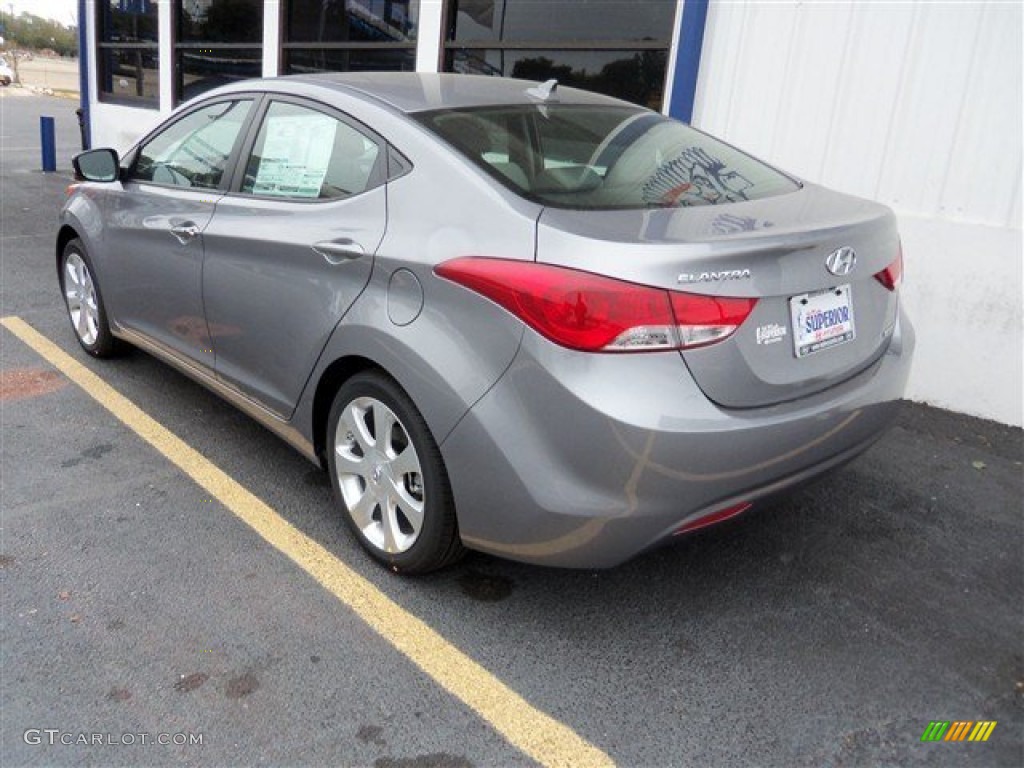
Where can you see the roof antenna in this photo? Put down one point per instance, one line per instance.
(545, 91)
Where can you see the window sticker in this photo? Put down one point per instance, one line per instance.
(296, 154)
(695, 174)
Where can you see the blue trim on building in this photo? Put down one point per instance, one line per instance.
(691, 40)
(83, 73)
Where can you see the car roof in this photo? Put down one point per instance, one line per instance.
(424, 91)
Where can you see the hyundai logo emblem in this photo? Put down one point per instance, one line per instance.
(841, 262)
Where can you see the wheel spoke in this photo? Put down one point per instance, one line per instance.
(362, 511)
(82, 324)
(354, 419)
(392, 533)
(412, 508)
(405, 462)
(350, 464)
(71, 275)
(383, 426)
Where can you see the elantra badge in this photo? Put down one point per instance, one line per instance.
(841, 262)
(705, 277)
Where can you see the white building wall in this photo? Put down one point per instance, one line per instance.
(917, 105)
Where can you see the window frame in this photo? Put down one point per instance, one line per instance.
(230, 165)
(378, 176)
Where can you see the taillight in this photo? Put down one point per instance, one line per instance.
(706, 319)
(593, 313)
(891, 276)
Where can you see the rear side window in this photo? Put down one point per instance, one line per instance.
(193, 151)
(304, 154)
(604, 157)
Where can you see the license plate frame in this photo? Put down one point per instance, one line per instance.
(822, 320)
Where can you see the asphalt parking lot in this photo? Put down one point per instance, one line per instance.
(826, 630)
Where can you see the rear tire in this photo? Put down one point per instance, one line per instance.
(389, 478)
(84, 302)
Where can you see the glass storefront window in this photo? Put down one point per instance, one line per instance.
(128, 52)
(340, 21)
(349, 35)
(127, 22)
(303, 61)
(220, 21)
(200, 70)
(636, 76)
(218, 42)
(566, 21)
(616, 47)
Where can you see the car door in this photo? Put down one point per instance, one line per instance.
(292, 247)
(154, 237)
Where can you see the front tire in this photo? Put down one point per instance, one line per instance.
(84, 302)
(389, 478)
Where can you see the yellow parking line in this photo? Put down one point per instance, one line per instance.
(540, 736)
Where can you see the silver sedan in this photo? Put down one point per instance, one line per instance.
(519, 318)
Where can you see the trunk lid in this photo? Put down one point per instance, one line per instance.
(775, 250)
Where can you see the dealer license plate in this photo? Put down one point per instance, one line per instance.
(821, 320)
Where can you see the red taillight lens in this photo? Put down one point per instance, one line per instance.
(891, 276)
(707, 319)
(592, 313)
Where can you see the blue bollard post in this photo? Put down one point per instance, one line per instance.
(49, 142)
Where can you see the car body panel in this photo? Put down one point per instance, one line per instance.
(554, 456)
(613, 453)
(772, 249)
(153, 279)
(259, 268)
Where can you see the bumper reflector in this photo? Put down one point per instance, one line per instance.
(715, 517)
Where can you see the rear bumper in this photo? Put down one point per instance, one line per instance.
(584, 461)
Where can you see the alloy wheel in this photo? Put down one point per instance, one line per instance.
(379, 475)
(80, 292)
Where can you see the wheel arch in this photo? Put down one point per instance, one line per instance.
(66, 234)
(331, 380)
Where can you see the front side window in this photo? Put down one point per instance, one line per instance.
(604, 157)
(304, 154)
(193, 151)
(128, 52)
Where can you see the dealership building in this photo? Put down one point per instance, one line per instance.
(917, 105)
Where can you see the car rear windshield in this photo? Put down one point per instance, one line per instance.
(600, 157)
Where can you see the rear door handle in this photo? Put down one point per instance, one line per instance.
(339, 251)
(185, 231)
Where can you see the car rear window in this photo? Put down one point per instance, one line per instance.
(599, 157)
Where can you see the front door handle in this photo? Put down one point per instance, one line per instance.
(339, 251)
(185, 232)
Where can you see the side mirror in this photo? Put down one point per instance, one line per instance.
(97, 165)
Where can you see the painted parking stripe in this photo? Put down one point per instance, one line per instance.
(525, 727)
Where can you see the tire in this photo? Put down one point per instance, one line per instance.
(84, 302)
(389, 478)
